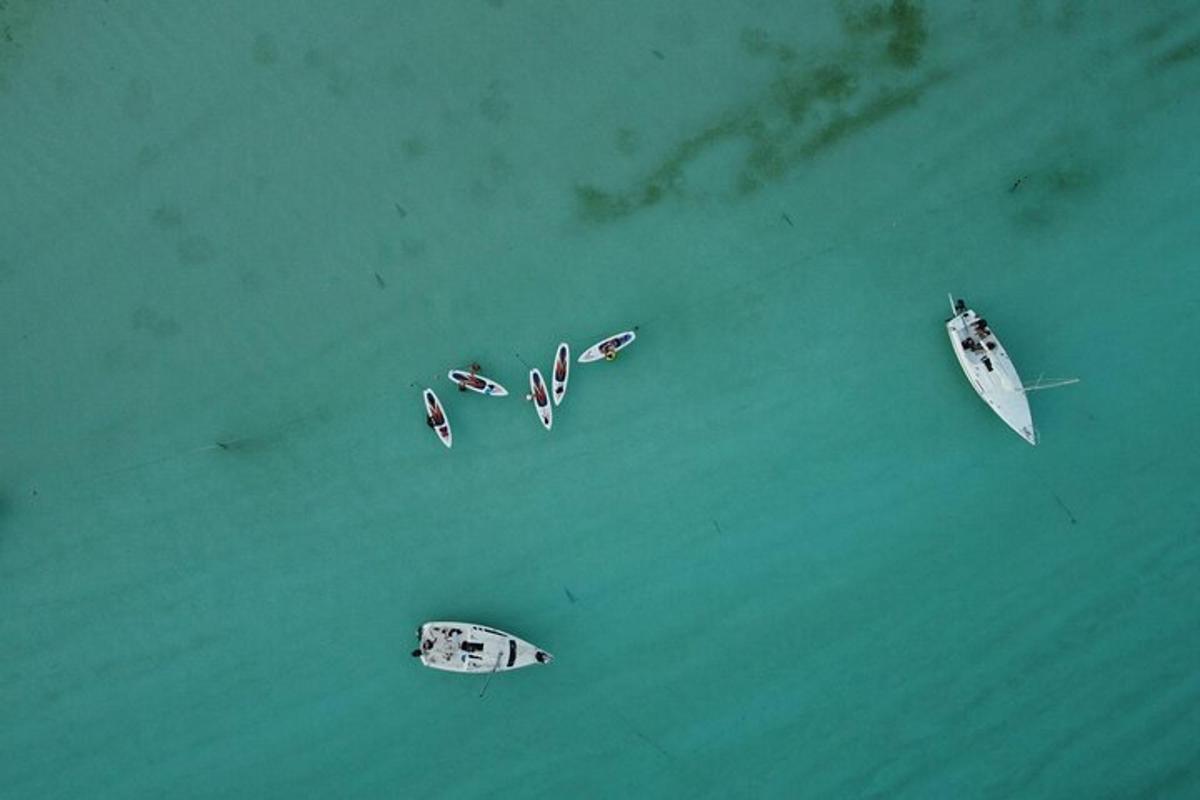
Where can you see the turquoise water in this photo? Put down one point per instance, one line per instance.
(779, 548)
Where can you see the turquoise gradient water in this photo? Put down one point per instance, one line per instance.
(779, 548)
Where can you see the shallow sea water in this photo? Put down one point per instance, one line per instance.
(779, 547)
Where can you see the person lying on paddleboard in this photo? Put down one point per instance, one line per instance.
(540, 397)
(474, 381)
(435, 417)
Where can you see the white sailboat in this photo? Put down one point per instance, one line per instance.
(467, 647)
(990, 370)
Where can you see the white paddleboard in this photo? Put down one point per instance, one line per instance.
(561, 372)
(476, 383)
(541, 398)
(608, 347)
(435, 411)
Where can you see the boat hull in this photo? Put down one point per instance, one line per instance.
(991, 372)
(471, 648)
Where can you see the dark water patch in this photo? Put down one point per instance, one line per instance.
(497, 174)
(64, 87)
(240, 444)
(247, 444)
(1152, 32)
(17, 18)
(148, 155)
(800, 113)
(758, 43)
(626, 141)
(264, 51)
(150, 321)
(195, 250)
(138, 100)
(755, 41)
(413, 147)
(884, 105)
(379, 281)
(167, 217)
(385, 252)
(833, 82)
(313, 58)
(1069, 16)
(250, 281)
(1189, 50)
(494, 106)
(413, 248)
(252, 443)
(338, 83)
(902, 22)
(115, 358)
(1066, 510)
(1071, 178)
(1178, 780)
(1049, 192)
(1029, 14)
(1033, 216)
(597, 205)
